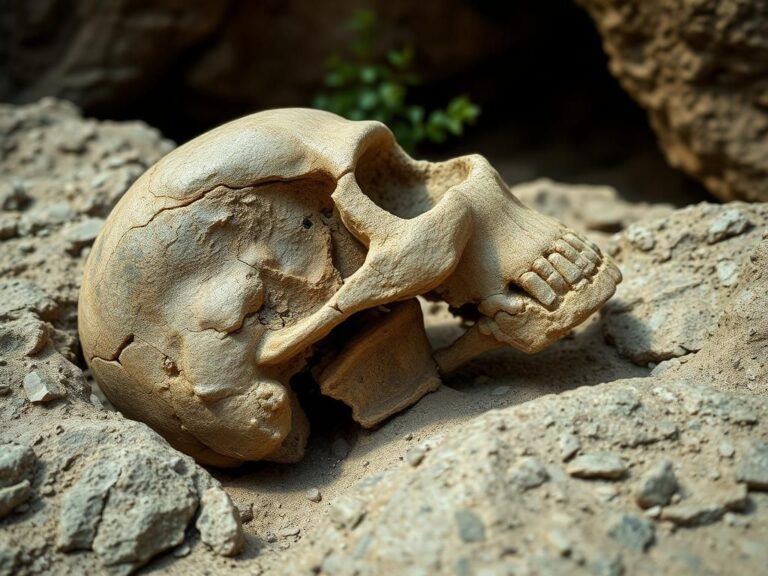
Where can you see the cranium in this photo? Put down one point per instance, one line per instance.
(294, 240)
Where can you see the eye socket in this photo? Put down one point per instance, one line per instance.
(306, 223)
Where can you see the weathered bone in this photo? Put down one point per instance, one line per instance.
(242, 257)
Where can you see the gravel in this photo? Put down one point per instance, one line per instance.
(598, 465)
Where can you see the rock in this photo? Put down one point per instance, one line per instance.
(560, 541)
(289, 532)
(347, 512)
(13, 195)
(593, 208)
(656, 486)
(181, 551)
(633, 532)
(82, 506)
(14, 496)
(26, 336)
(640, 237)
(18, 296)
(8, 558)
(219, 523)
(313, 495)
(245, 513)
(752, 466)
(9, 226)
(16, 463)
(597, 465)
(82, 234)
(415, 455)
(696, 67)
(465, 485)
(195, 63)
(569, 444)
(726, 450)
(340, 448)
(528, 473)
(729, 223)
(40, 388)
(608, 567)
(470, 525)
(706, 507)
(672, 295)
(146, 513)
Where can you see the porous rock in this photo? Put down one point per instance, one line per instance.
(597, 465)
(16, 463)
(752, 467)
(82, 506)
(219, 523)
(672, 295)
(656, 486)
(632, 531)
(697, 67)
(13, 496)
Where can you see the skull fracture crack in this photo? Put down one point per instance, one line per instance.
(296, 241)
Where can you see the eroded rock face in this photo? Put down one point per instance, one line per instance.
(73, 477)
(645, 458)
(682, 272)
(225, 267)
(698, 68)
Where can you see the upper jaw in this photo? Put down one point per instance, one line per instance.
(531, 325)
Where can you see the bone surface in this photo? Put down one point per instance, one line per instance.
(276, 244)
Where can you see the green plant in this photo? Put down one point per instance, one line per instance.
(360, 87)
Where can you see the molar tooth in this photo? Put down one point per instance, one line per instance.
(569, 270)
(585, 264)
(579, 245)
(535, 285)
(595, 248)
(614, 272)
(562, 247)
(511, 304)
(551, 276)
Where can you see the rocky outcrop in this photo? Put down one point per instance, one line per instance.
(698, 67)
(74, 477)
(617, 478)
(680, 272)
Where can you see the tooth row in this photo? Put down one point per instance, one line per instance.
(567, 267)
(571, 261)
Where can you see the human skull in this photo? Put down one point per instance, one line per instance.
(245, 255)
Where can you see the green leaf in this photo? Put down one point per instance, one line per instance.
(368, 74)
(392, 95)
(367, 99)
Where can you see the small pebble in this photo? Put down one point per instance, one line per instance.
(598, 465)
(313, 495)
(726, 450)
(289, 531)
(569, 444)
(340, 448)
(415, 455)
